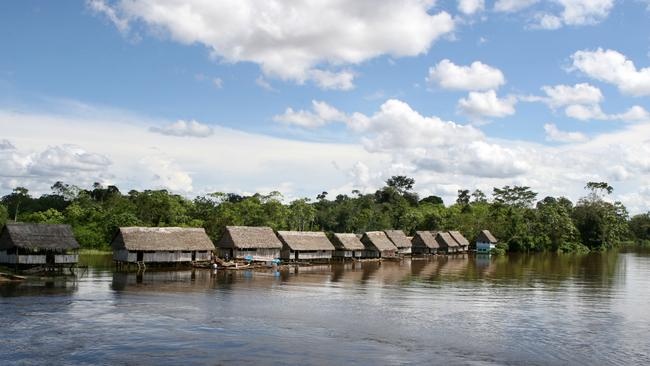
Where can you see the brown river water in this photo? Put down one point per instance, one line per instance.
(467, 310)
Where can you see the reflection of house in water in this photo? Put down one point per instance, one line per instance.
(483, 261)
(182, 281)
(65, 285)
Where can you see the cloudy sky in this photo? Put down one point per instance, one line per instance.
(304, 96)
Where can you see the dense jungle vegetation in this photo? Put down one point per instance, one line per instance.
(513, 214)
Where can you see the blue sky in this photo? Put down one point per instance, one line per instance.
(329, 96)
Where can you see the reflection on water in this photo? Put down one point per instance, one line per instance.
(521, 309)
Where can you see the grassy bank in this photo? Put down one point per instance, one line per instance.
(94, 251)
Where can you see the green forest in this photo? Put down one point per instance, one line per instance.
(515, 215)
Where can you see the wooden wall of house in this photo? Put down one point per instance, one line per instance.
(404, 251)
(31, 259)
(306, 255)
(348, 253)
(122, 255)
(483, 247)
(37, 258)
(371, 254)
(258, 254)
(320, 254)
(389, 253)
(342, 253)
(160, 257)
(66, 258)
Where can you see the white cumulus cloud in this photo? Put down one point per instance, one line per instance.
(297, 40)
(470, 7)
(555, 134)
(487, 104)
(614, 68)
(554, 14)
(594, 112)
(477, 76)
(509, 6)
(322, 114)
(563, 95)
(183, 128)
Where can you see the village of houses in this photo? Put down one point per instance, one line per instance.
(24, 245)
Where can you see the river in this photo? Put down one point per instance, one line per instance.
(522, 309)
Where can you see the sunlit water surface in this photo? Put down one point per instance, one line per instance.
(536, 309)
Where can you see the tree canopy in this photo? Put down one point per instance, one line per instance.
(511, 213)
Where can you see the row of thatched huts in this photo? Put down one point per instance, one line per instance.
(42, 244)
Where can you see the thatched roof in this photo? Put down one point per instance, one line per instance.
(486, 236)
(460, 239)
(398, 238)
(305, 240)
(161, 239)
(249, 237)
(378, 240)
(347, 242)
(427, 238)
(445, 240)
(38, 236)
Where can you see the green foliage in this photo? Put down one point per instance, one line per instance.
(4, 215)
(553, 224)
(602, 225)
(50, 216)
(639, 226)
(301, 215)
(514, 196)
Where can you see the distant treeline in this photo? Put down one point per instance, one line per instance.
(512, 214)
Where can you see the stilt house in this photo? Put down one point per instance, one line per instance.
(447, 243)
(239, 242)
(161, 245)
(400, 240)
(424, 242)
(305, 245)
(485, 242)
(38, 244)
(378, 245)
(463, 244)
(347, 246)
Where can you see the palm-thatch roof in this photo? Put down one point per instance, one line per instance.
(347, 242)
(460, 239)
(37, 236)
(161, 239)
(445, 240)
(485, 236)
(377, 240)
(249, 237)
(398, 238)
(426, 238)
(305, 240)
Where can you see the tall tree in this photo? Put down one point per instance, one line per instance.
(401, 183)
(13, 201)
(601, 223)
(463, 197)
(518, 196)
